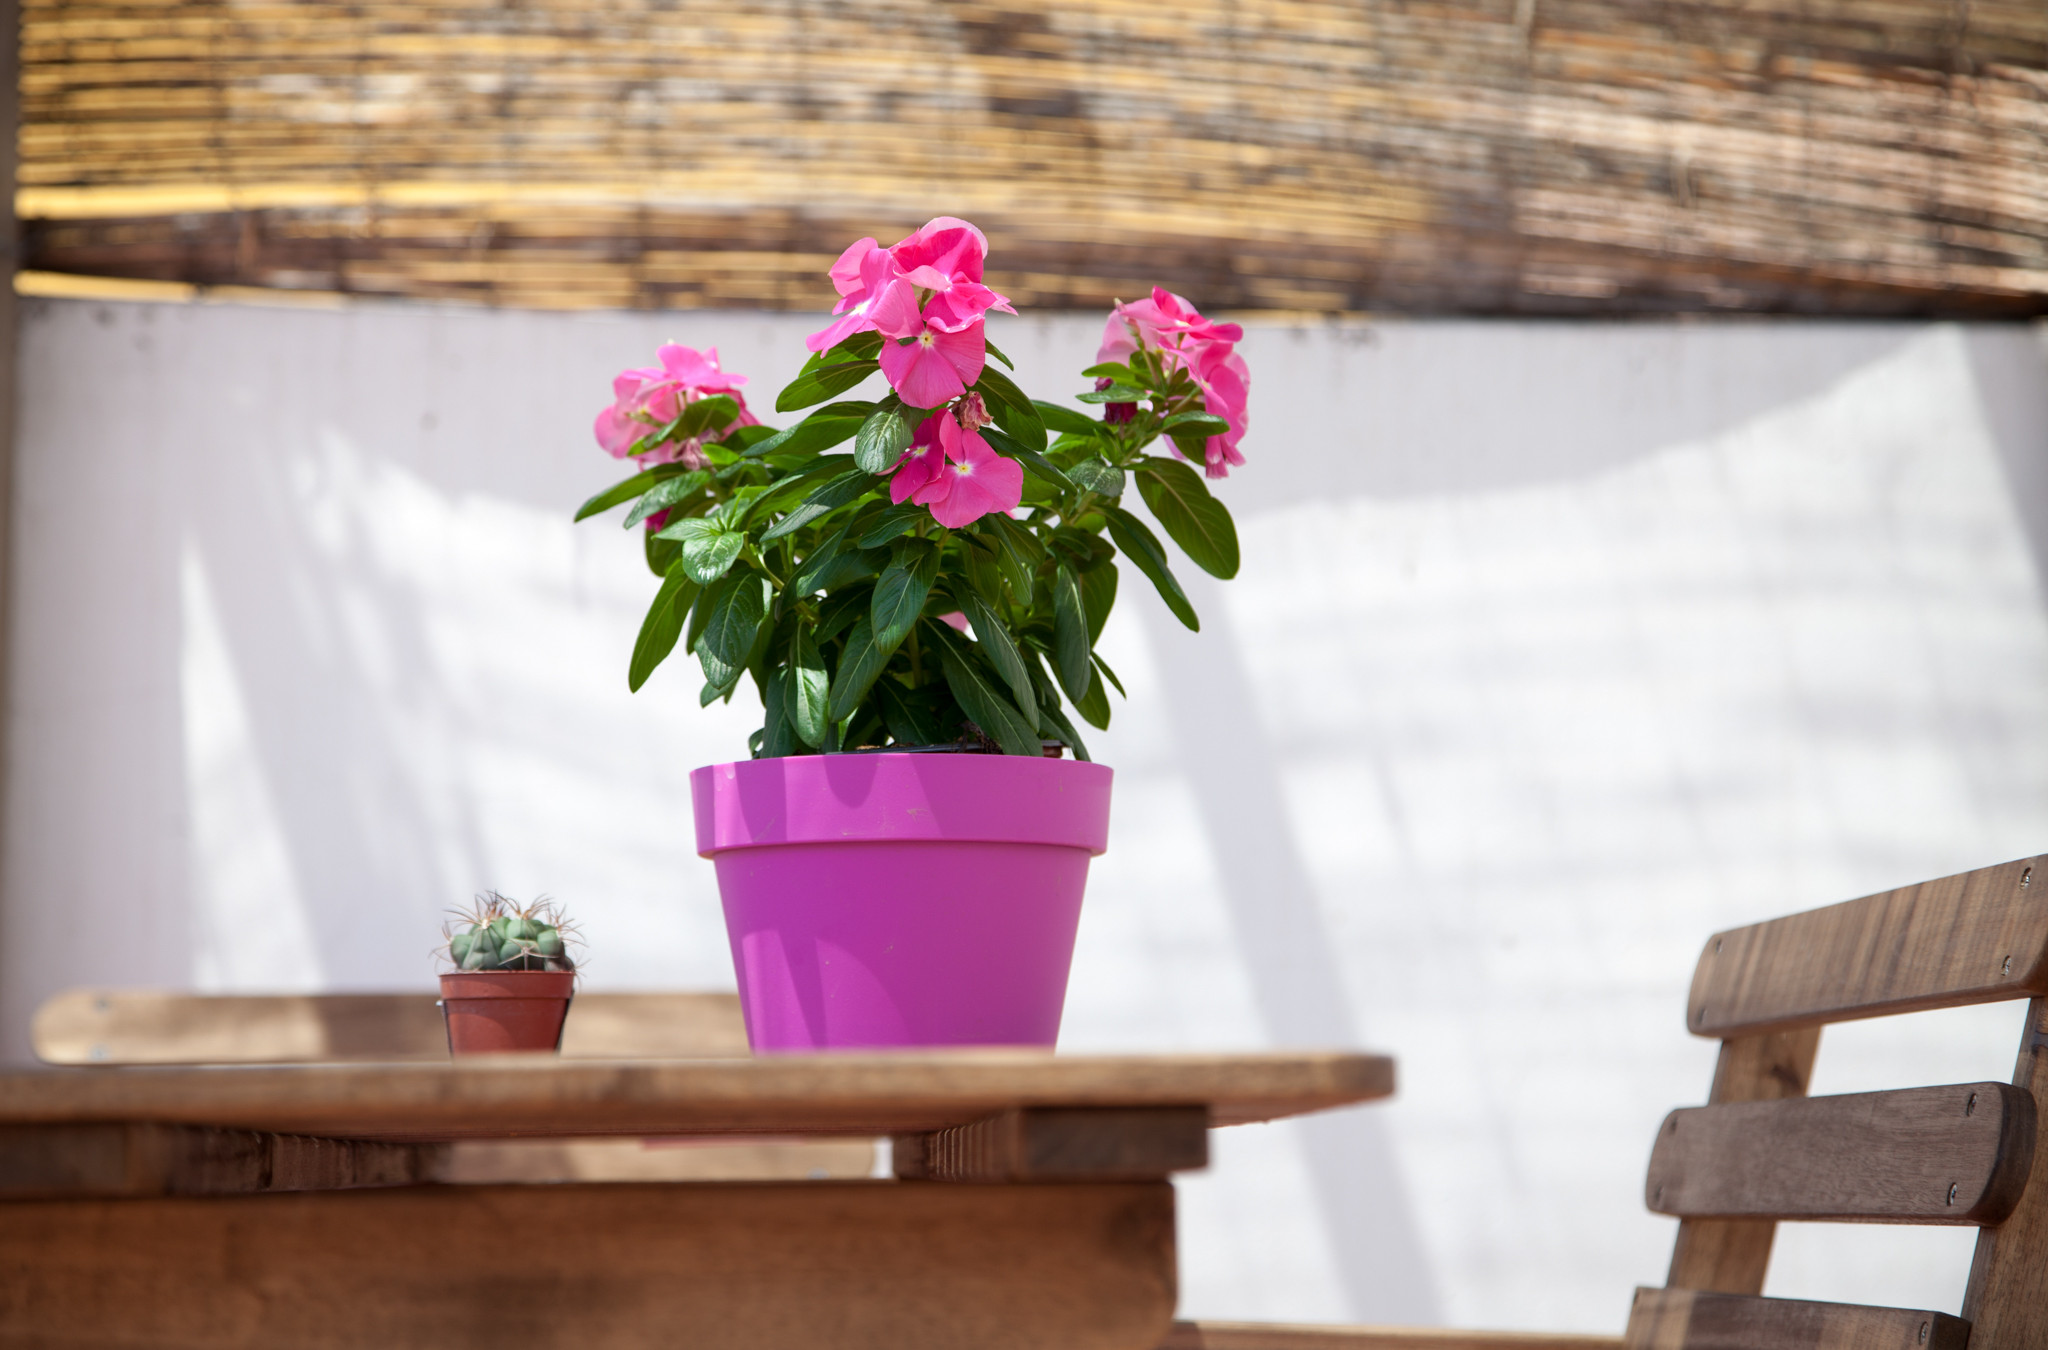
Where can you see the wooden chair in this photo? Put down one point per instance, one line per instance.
(1761, 1151)
(117, 1027)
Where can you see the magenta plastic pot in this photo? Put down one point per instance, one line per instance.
(884, 900)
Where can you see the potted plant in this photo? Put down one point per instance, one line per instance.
(513, 976)
(916, 582)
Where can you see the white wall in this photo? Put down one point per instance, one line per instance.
(1556, 647)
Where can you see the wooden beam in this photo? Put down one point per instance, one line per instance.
(1940, 1155)
(1732, 1255)
(834, 1094)
(1054, 1144)
(851, 1265)
(1684, 1319)
(1976, 937)
(109, 1160)
(1257, 1336)
(1875, 157)
(2007, 1297)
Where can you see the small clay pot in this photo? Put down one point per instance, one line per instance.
(505, 1011)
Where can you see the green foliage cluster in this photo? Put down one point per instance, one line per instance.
(782, 557)
(498, 934)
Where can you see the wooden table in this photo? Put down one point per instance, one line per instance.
(299, 1206)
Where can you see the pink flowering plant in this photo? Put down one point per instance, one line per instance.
(944, 580)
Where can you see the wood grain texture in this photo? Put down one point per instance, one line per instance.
(1255, 1336)
(1684, 1319)
(1732, 1255)
(1938, 1155)
(1056, 1144)
(1977, 937)
(2007, 1297)
(526, 1162)
(838, 1094)
(1450, 156)
(108, 1026)
(107, 1160)
(851, 1265)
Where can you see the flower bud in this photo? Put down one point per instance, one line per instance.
(1115, 412)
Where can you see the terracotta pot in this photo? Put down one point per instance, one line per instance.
(502, 1011)
(896, 899)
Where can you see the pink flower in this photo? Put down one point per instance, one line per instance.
(972, 481)
(879, 288)
(964, 480)
(935, 366)
(919, 466)
(645, 400)
(1206, 350)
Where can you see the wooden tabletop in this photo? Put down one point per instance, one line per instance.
(836, 1094)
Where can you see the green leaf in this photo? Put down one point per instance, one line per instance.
(978, 563)
(661, 554)
(804, 692)
(734, 619)
(709, 548)
(999, 647)
(833, 495)
(778, 731)
(741, 439)
(1021, 553)
(848, 566)
(859, 665)
(1013, 411)
(665, 494)
(713, 410)
(1116, 393)
(997, 353)
(1098, 596)
(979, 700)
(1197, 521)
(1141, 546)
(1099, 476)
(1050, 713)
(1038, 464)
(662, 626)
(719, 678)
(893, 524)
(1107, 673)
(1066, 420)
(1207, 423)
(815, 386)
(839, 612)
(883, 438)
(627, 490)
(1111, 370)
(901, 593)
(820, 431)
(1093, 705)
(1070, 635)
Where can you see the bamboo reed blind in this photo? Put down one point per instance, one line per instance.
(1491, 156)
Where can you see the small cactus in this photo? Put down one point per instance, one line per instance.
(497, 934)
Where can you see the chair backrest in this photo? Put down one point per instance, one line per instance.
(104, 1026)
(1762, 1151)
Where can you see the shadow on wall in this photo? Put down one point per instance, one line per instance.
(309, 648)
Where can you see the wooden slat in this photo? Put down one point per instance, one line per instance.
(1684, 1319)
(850, 1265)
(838, 1094)
(106, 1026)
(2007, 1297)
(1939, 1155)
(108, 1160)
(1732, 1255)
(1089, 1144)
(1977, 937)
(1255, 1336)
(1491, 156)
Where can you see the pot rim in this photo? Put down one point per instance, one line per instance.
(901, 797)
(481, 984)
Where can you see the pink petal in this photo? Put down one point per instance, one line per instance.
(922, 463)
(924, 374)
(963, 303)
(949, 246)
(617, 432)
(846, 273)
(966, 351)
(978, 487)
